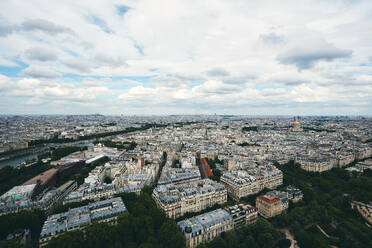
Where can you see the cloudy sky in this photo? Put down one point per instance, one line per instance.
(308, 57)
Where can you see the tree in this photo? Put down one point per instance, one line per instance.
(107, 180)
(284, 243)
(169, 235)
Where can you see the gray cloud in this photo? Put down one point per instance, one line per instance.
(306, 57)
(78, 65)
(44, 26)
(189, 77)
(217, 72)
(6, 30)
(293, 83)
(40, 72)
(238, 80)
(105, 59)
(41, 54)
(271, 38)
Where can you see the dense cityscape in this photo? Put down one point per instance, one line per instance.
(207, 176)
(186, 124)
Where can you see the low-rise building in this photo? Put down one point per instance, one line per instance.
(365, 165)
(364, 209)
(271, 204)
(294, 194)
(242, 214)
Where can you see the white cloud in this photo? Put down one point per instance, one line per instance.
(188, 55)
(40, 72)
(5, 83)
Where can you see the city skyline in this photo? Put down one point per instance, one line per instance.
(186, 57)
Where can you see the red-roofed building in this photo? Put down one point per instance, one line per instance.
(206, 167)
(269, 205)
(46, 179)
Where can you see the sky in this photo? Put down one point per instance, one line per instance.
(308, 57)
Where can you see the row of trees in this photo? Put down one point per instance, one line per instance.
(248, 144)
(253, 128)
(61, 152)
(216, 172)
(95, 136)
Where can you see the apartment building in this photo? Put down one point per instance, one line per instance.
(78, 218)
(316, 165)
(176, 200)
(241, 183)
(205, 227)
(242, 214)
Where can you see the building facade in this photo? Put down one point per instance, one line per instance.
(176, 200)
(240, 183)
(205, 227)
(270, 205)
(78, 218)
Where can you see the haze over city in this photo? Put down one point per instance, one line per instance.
(186, 57)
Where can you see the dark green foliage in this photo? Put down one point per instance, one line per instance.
(216, 172)
(63, 208)
(43, 155)
(61, 152)
(43, 141)
(69, 239)
(216, 175)
(326, 203)
(284, 243)
(318, 130)
(119, 145)
(261, 234)
(248, 144)
(246, 129)
(144, 226)
(83, 173)
(10, 243)
(32, 220)
(107, 180)
(10, 176)
(192, 214)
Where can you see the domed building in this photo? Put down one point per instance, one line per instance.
(297, 126)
